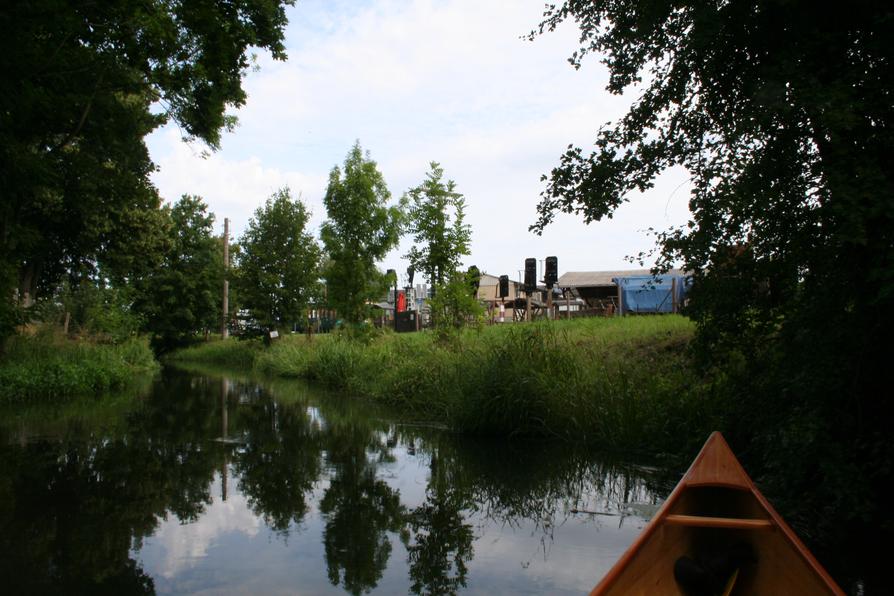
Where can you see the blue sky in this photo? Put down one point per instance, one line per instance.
(419, 81)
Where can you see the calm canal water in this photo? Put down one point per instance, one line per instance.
(200, 483)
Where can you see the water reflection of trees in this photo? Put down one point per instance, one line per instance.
(520, 482)
(359, 508)
(72, 506)
(504, 483)
(278, 462)
(439, 538)
(288, 447)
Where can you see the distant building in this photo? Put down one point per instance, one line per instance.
(630, 291)
(489, 290)
(489, 295)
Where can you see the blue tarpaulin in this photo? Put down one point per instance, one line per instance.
(648, 294)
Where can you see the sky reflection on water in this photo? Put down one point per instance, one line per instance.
(213, 485)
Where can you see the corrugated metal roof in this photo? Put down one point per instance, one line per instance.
(590, 279)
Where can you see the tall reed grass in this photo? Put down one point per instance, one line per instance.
(613, 382)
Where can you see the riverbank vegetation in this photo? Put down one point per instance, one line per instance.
(49, 367)
(623, 383)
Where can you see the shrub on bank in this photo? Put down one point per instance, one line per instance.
(48, 366)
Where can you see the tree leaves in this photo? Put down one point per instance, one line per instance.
(279, 262)
(783, 116)
(360, 230)
(436, 218)
(182, 296)
(777, 113)
(81, 85)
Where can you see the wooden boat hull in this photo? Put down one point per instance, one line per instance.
(715, 506)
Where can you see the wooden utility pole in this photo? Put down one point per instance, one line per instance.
(224, 425)
(224, 331)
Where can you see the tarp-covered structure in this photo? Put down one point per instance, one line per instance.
(650, 294)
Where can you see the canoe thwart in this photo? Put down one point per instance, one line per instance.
(702, 521)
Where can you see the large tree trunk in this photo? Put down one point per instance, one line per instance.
(28, 276)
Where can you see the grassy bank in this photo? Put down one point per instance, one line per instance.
(607, 381)
(49, 367)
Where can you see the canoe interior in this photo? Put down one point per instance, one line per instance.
(780, 569)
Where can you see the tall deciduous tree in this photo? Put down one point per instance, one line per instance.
(279, 262)
(783, 115)
(436, 218)
(183, 296)
(81, 85)
(361, 228)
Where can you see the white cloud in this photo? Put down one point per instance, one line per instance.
(418, 81)
(232, 188)
(184, 545)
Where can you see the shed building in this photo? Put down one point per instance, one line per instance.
(607, 292)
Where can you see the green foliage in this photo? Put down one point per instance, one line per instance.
(49, 367)
(96, 311)
(183, 296)
(365, 333)
(620, 383)
(360, 230)
(454, 305)
(81, 85)
(279, 262)
(782, 116)
(223, 353)
(436, 218)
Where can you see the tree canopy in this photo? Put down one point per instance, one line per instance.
(81, 85)
(436, 218)
(360, 230)
(183, 295)
(279, 262)
(782, 117)
(782, 114)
